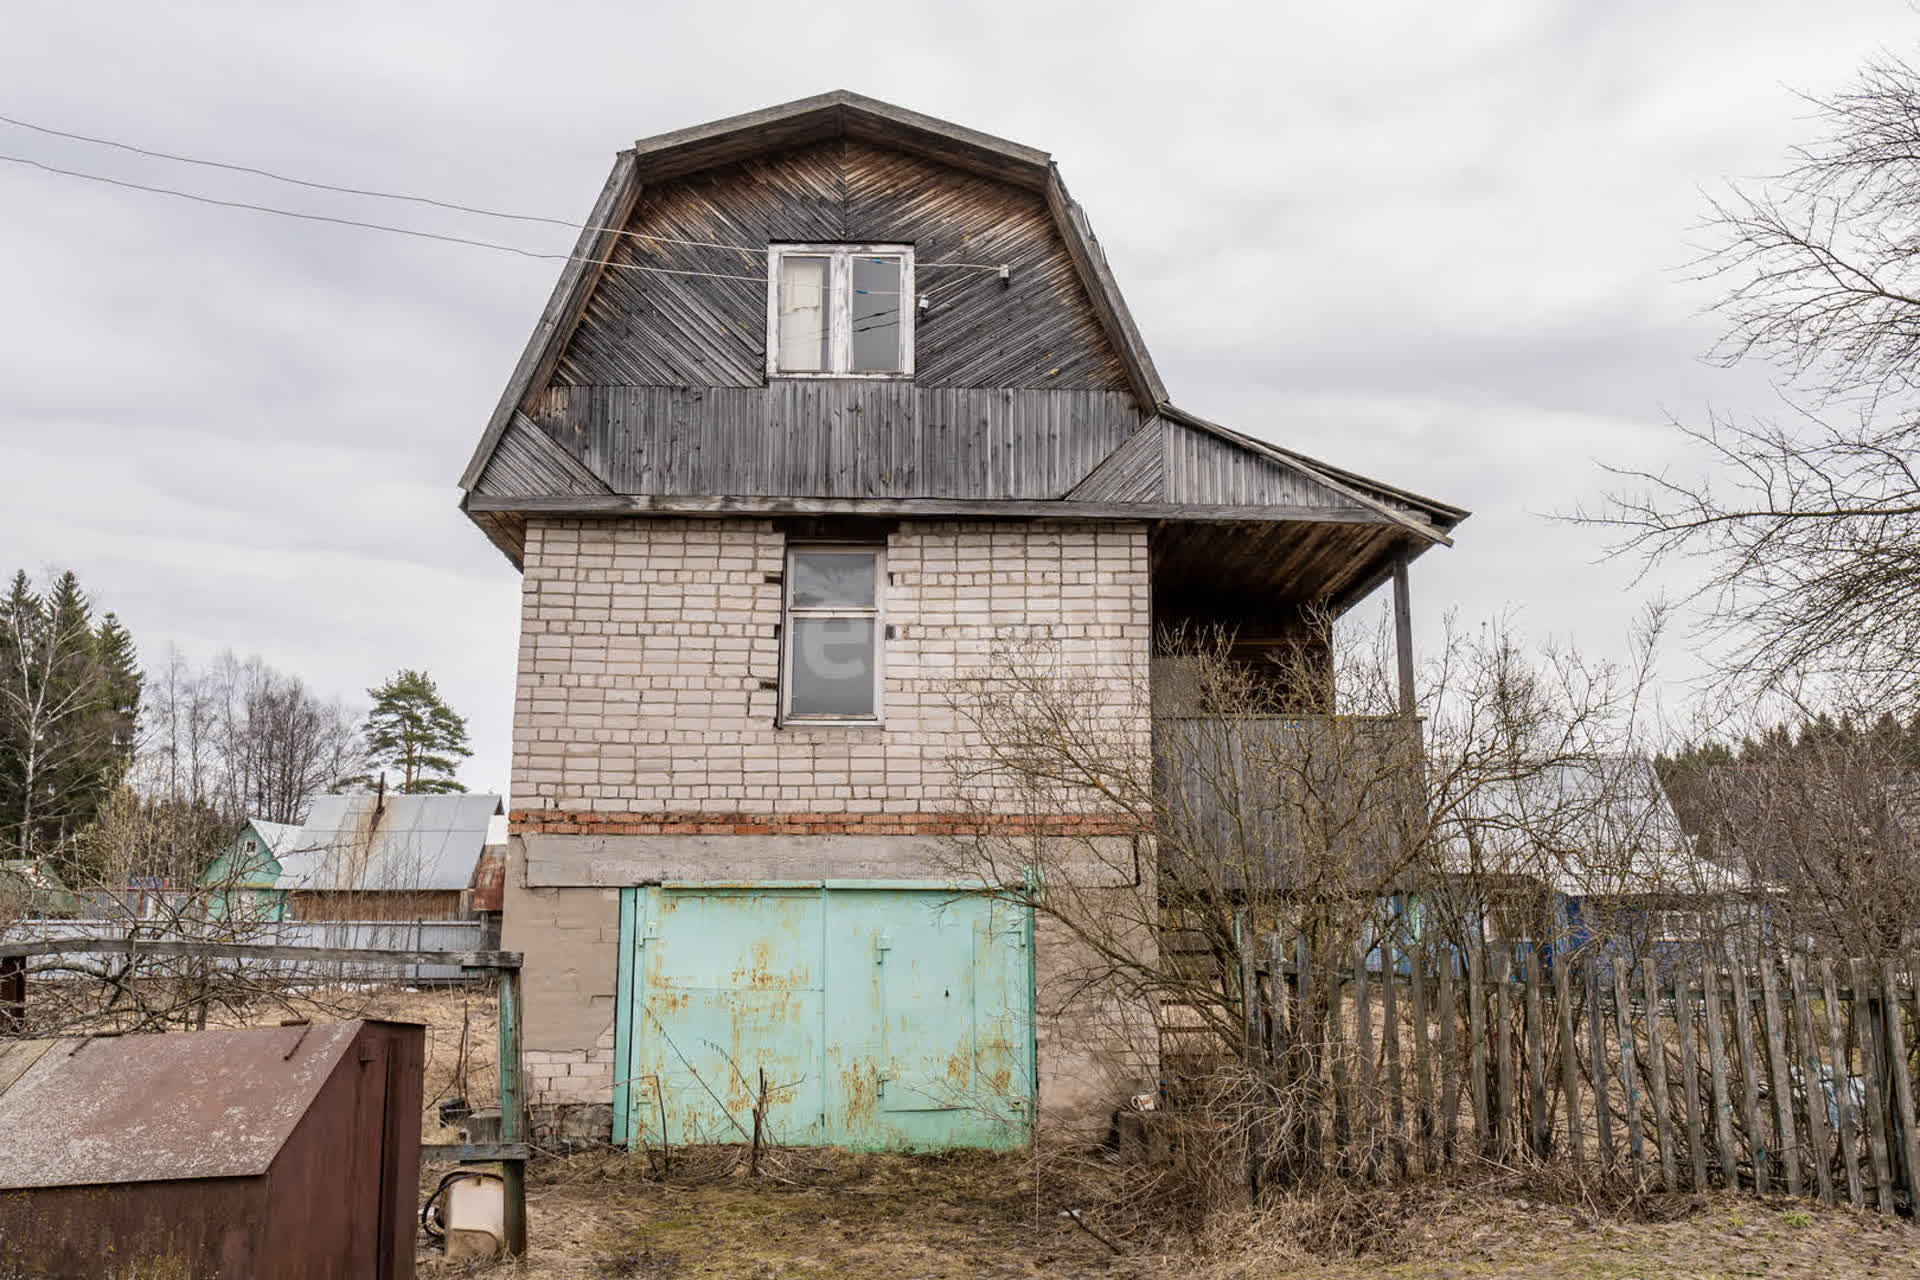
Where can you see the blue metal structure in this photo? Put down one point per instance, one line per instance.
(884, 1015)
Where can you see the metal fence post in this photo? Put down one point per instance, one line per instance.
(513, 1173)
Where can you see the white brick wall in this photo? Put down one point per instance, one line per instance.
(644, 645)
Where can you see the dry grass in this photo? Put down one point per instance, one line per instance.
(825, 1215)
(829, 1214)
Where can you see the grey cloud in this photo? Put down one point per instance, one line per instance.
(1429, 242)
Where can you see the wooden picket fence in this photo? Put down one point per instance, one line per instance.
(1791, 1076)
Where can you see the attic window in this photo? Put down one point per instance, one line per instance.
(839, 311)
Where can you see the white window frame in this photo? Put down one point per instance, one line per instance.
(877, 613)
(840, 308)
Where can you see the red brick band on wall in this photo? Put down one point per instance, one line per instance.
(563, 822)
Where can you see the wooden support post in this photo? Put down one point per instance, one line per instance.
(1338, 1066)
(1279, 1057)
(1909, 1141)
(1365, 1108)
(1747, 1042)
(1307, 1037)
(1477, 1033)
(1873, 1072)
(1449, 1064)
(1540, 1130)
(1252, 1043)
(513, 1173)
(1782, 1078)
(1842, 1086)
(1717, 1071)
(1819, 1148)
(1505, 1127)
(1569, 1059)
(1276, 1006)
(1390, 1046)
(1692, 1110)
(1597, 1063)
(1629, 1078)
(1422, 1055)
(1657, 1077)
(1403, 634)
(13, 995)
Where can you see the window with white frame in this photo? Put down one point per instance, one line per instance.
(832, 634)
(836, 310)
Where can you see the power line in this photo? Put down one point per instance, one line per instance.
(369, 193)
(369, 226)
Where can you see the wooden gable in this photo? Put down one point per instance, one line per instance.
(708, 328)
(645, 390)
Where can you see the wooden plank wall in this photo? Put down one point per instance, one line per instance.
(1242, 794)
(648, 329)
(1716, 1075)
(1206, 469)
(836, 438)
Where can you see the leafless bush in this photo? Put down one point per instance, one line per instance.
(1283, 808)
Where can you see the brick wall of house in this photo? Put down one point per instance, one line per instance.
(645, 710)
(649, 661)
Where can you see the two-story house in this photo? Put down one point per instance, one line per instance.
(832, 401)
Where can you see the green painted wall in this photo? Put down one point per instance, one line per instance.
(245, 879)
(884, 1017)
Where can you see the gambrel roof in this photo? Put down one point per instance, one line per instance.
(1058, 415)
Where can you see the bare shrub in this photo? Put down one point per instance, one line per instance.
(1284, 809)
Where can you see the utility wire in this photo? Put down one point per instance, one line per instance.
(430, 201)
(369, 193)
(370, 226)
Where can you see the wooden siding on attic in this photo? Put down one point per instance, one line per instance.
(528, 461)
(1201, 468)
(1170, 462)
(838, 438)
(647, 329)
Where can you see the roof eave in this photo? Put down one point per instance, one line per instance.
(840, 113)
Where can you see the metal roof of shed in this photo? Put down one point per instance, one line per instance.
(366, 843)
(156, 1108)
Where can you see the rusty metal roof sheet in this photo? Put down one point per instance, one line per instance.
(154, 1108)
(490, 879)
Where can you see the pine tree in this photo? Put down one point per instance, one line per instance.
(69, 701)
(413, 733)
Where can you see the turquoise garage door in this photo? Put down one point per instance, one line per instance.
(881, 1017)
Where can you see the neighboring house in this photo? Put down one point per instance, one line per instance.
(832, 402)
(1595, 845)
(384, 857)
(243, 880)
(31, 888)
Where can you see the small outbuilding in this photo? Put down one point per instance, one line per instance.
(273, 1152)
(385, 857)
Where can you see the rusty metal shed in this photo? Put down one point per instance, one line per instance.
(272, 1152)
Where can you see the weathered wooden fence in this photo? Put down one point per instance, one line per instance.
(1794, 1077)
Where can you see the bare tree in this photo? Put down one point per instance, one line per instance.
(59, 742)
(1808, 526)
(1272, 800)
(245, 738)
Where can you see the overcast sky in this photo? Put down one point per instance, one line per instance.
(1436, 244)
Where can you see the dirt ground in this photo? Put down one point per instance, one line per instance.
(827, 1215)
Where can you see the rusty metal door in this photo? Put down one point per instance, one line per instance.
(882, 1016)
